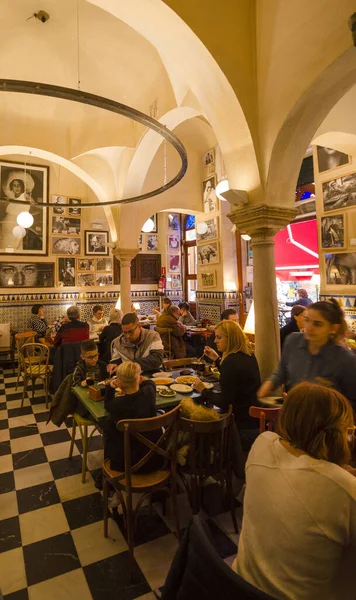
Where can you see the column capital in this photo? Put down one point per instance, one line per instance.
(261, 220)
(125, 255)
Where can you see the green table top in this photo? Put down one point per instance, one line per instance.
(97, 409)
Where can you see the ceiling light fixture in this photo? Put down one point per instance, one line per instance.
(148, 226)
(24, 219)
(223, 186)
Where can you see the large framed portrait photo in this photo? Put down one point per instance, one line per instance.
(27, 184)
(333, 231)
(328, 159)
(96, 243)
(339, 193)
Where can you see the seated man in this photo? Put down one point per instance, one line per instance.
(73, 331)
(178, 346)
(141, 346)
(230, 314)
(185, 315)
(97, 322)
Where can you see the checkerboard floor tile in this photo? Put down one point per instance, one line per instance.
(52, 543)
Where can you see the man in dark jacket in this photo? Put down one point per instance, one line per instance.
(169, 320)
(74, 330)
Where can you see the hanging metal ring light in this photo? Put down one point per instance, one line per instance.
(63, 93)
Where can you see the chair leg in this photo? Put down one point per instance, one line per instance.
(24, 391)
(105, 502)
(45, 386)
(175, 505)
(74, 428)
(129, 528)
(33, 381)
(85, 451)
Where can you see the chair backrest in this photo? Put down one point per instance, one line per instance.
(34, 358)
(24, 338)
(197, 570)
(165, 447)
(64, 362)
(176, 363)
(269, 415)
(209, 445)
(5, 335)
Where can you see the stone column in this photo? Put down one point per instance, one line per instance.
(125, 256)
(262, 222)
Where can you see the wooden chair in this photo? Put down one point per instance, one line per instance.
(7, 343)
(83, 425)
(34, 365)
(131, 481)
(28, 337)
(165, 333)
(209, 455)
(265, 415)
(176, 363)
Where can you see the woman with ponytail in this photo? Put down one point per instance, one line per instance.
(298, 537)
(317, 355)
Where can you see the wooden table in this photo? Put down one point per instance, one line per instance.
(200, 331)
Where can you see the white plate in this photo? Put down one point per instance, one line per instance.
(164, 395)
(162, 374)
(162, 387)
(181, 388)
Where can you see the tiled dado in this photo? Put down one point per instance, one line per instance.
(210, 305)
(345, 301)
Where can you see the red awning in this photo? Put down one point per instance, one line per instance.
(296, 250)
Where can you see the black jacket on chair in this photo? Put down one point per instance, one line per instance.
(108, 334)
(64, 363)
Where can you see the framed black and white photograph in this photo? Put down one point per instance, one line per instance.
(210, 201)
(176, 281)
(66, 271)
(208, 279)
(26, 274)
(328, 158)
(207, 230)
(154, 219)
(67, 225)
(59, 204)
(173, 242)
(208, 254)
(29, 186)
(339, 193)
(104, 279)
(85, 279)
(95, 243)
(209, 162)
(173, 222)
(152, 242)
(333, 232)
(140, 242)
(85, 264)
(174, 263)
(74, 207)
(64, 245)
(340, 269)
(104, 264)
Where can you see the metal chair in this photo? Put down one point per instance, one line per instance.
(83, 425)
(7, 343)
(27, 337)
(265, 415)
(34, 365)
(165, 333)
(132, 481)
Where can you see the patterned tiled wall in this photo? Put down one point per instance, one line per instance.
(210, 305)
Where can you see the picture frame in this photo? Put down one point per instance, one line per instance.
(208, 279)
(333, 231)
(173, 222)
(174, 263)
(140, 241)
(152, 242)
(95, 243)
(176, 281)
(210, 200)
(174, 243)
(59, 204)
(74, 207)
(85, 264)
(104, 265)
(66, 271)
(207, 230)
(85, 279)
(29, 184)
(26, 274)
(66, 245)
(340, 268)
(66, 225)
(104, 279)
(209, 162)
(339, 193)
(208, 254)
(330, 159)
(154, 219)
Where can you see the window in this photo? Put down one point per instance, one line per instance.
(190, 261)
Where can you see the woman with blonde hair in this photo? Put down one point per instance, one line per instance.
(239, 378)
(298, 537)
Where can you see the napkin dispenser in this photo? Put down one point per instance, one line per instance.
(96, 392)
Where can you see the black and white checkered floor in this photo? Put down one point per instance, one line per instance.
(51, 530)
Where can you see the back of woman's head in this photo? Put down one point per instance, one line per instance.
(332, 312)
(315, 419)
(237, 341)
(115, 315)
(35, 309)
(297, 310)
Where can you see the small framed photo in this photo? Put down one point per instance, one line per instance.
(328, 159)
(85, 279)
(59, 204)
(208, 254)
(74, 207)
(85, 264)
(154, 219)
(66, 225)
(176, 281)
(340, 268)
(339, 193)
(173, 242)
(207, 230)
(65, 245)
(66, 271)
(174, 263)
(103, 264)
(210, 201)
(333, 232)
(96, 243)
(209, 162)
(173, 222)
(208, 279)
(152, 242)
(103, 279)
(139, 242)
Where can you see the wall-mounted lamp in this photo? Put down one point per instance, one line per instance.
(250, 321)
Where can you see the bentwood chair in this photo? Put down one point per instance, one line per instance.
(165, 333)
(177, 363)
(131, 481)
(266, 416)
(83, 425)
(209, 455)
(27, 337)
(7, 343)
(34, 365)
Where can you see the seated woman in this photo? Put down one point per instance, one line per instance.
(295, 324)
(185, 315)
(109, 333)
(166, 303)
(298, 537)
(97, 322)
(37, 322)
(239, 378)
(316, 354)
